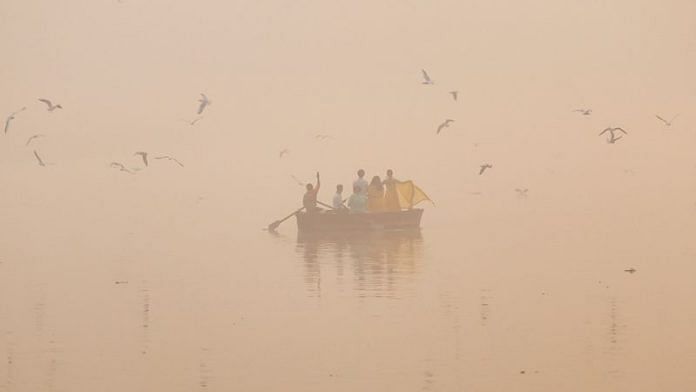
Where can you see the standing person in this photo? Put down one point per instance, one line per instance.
(361, 182)
(357, 202)
(391, 195)
(337, 203)
(309, 200)
(375, 195)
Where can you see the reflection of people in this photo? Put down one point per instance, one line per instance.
(361, 182)
(337, 203)
(391, 195)
(357, 202)
(309, 201)
(375, 195)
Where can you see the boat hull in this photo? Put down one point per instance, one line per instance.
(373, 221)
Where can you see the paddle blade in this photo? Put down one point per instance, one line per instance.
(274, 225)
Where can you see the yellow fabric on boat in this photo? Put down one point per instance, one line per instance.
(410, 194)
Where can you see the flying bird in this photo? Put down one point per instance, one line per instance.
(50, 106)
(204, 103)
(521, 192)
(584, 112)
(171, 159)
(612, 131)
(283, 152)
(194, 121)
(322, 137)
(444, 125)
(454, 94)
(484, 167)
(12, 117)
(630, 270)
(667, 123)
(120, 167)
(38, 158)
(300, 183)
(32, 138)
(142, 155)
(426, 78)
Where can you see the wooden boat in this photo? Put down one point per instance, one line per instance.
(347, 221)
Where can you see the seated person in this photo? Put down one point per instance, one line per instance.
(357, 201)
(337, 203)
(309, 200)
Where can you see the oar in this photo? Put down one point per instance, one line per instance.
(277, 223)
(325, 205)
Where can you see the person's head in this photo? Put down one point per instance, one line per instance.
(361, 173)
(390, 173)
(356, 189)
(376, 181)
(309, 187)
(339, 188)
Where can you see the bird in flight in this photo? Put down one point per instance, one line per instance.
(426, 78)
(484, 167)
(444, 125)
(120, 167)
(322, 137)
(584, 112)
(612, 131)
(194, 121)
(630, 270)
(50, 106)
(12, 117)
(521, 192)
(32, 138)
(300, 183)
(143, 155)
(171, 159)
(283, 152)
(667, 123)
(204, 103)
(455, 94)
(38, 158)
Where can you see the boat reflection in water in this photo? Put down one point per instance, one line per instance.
(374, 263)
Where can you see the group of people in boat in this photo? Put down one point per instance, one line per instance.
(376, 196)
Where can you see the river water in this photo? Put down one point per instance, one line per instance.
(140, 290)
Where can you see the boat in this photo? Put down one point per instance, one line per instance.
(369, 221)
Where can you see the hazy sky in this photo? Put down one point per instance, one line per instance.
(279, 72)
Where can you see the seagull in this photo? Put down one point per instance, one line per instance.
(32, 138)
(521, 192)
(611, 131)
(444, 125)
(667, 123)
(454, 94)
(322, 137)
(204, 102)
(194, 121)
(584, 112)
(142, 155)
(426, 78)
(12, 117)
(51, 107)
(120, 167)
(171, 159)
(484, 167)
(283, 152)
(38, 158)
(300, 183)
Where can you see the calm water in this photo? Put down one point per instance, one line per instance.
(529, 300)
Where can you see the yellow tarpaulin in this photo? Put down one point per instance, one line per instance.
(410, 194)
